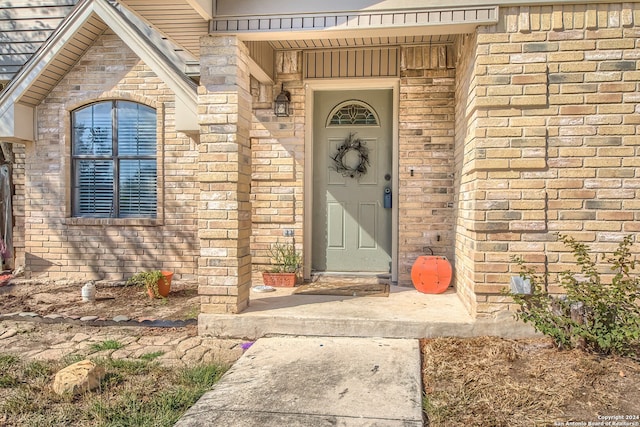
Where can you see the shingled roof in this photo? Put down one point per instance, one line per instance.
(84, 24)
(24, 26)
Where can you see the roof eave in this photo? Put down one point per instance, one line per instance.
(14, 128)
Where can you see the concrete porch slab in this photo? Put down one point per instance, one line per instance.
(406, 313)
(317, 381)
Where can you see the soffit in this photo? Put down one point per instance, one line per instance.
(65, 58)
(336, 43)
(176, 19)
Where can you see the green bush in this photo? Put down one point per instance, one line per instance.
(599, 317)
(285, 258)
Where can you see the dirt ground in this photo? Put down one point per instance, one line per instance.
(489, 381)
(480, 381)
(112, 299)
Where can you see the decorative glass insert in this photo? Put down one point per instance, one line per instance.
(353, 113)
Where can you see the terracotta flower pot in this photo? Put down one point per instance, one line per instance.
(281, 280)
(164, 286)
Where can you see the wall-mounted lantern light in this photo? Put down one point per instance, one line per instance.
(281, 107)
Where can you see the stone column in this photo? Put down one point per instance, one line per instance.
(224, 213)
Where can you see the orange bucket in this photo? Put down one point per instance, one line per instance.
(431, 274)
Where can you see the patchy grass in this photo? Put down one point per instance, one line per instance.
(132, 393)
(152, 356)
(192, 313)
(495, 382)
(7, 377)
(106, 345)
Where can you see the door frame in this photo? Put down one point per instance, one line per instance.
(311, 86)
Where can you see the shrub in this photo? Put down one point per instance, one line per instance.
(597, 316)
(285, 258)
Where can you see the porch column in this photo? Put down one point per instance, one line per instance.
(224, 214)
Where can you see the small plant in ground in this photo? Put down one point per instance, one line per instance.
(7, 364)
(192, 313)
(7, 361)
(130, 367)
(597, 316)
(151, 356)
(37, 370)
(106, 345)
(70, 359)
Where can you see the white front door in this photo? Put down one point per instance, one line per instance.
(352, 170)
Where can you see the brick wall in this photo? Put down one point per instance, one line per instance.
(224, 211)
(277, 149)
(550, 107)
(426, 141)
(64, 247)
(18, 204)
(465, 184)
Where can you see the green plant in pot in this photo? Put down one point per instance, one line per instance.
(286, 263)
(156, 282)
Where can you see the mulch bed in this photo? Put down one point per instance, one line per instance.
(112, 299)
(488, 381)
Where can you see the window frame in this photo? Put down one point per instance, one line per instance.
(115, 158)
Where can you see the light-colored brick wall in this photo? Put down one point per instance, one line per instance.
(18, 203)
(552, 138)
(224, 211)
(426, 141)
(277, 148)
(464, 184)
(64, 247)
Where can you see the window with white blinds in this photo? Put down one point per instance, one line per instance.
(114, 160)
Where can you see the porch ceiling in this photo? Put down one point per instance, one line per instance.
(333, 43)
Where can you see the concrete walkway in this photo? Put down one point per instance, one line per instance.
(317, 381)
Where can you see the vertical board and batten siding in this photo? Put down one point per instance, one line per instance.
(263, 54)
(375, 62)
(24, 26)
(431, 57)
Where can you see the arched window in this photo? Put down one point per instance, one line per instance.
(114, 166)
(353, 113)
